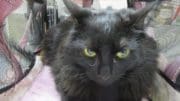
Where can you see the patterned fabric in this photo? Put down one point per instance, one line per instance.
(168, 41)
(10, 70)
(173, 70)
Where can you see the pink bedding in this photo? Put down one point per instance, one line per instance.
(43, 88)
(38, 85)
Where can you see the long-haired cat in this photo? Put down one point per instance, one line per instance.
(103, 55)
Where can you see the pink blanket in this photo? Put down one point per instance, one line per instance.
(38, 85)
(43, 88)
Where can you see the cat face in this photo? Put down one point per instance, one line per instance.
(103, 47)
(107, 48)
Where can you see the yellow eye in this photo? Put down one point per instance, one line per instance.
(89, 53)
(124, 54)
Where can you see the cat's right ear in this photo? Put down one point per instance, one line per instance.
(137, 18)
(76, 11)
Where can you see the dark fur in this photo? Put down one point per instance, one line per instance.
(106, 32)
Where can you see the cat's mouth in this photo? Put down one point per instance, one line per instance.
(103, 80)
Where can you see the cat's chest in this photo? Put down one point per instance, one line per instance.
(107, 94)
(111, 93)
(99, 94)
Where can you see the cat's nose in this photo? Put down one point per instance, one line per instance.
(105, 79)
(105, 70)
(105, 73)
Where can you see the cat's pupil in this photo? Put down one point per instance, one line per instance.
(123, 50)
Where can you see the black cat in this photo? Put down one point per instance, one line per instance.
(102, 55)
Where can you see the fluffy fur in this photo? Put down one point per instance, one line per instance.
(103, 78)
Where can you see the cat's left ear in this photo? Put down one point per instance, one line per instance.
(76, 11)
(138, 17)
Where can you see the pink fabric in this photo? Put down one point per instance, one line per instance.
(87, 3)
(38, 85)
(173, 69)
(7, 6)
(43, 88)
(18, 91)
(139, 4)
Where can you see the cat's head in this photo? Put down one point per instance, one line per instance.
(109, 45)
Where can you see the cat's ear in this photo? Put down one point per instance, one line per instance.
(76, 11)
(138, 17)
